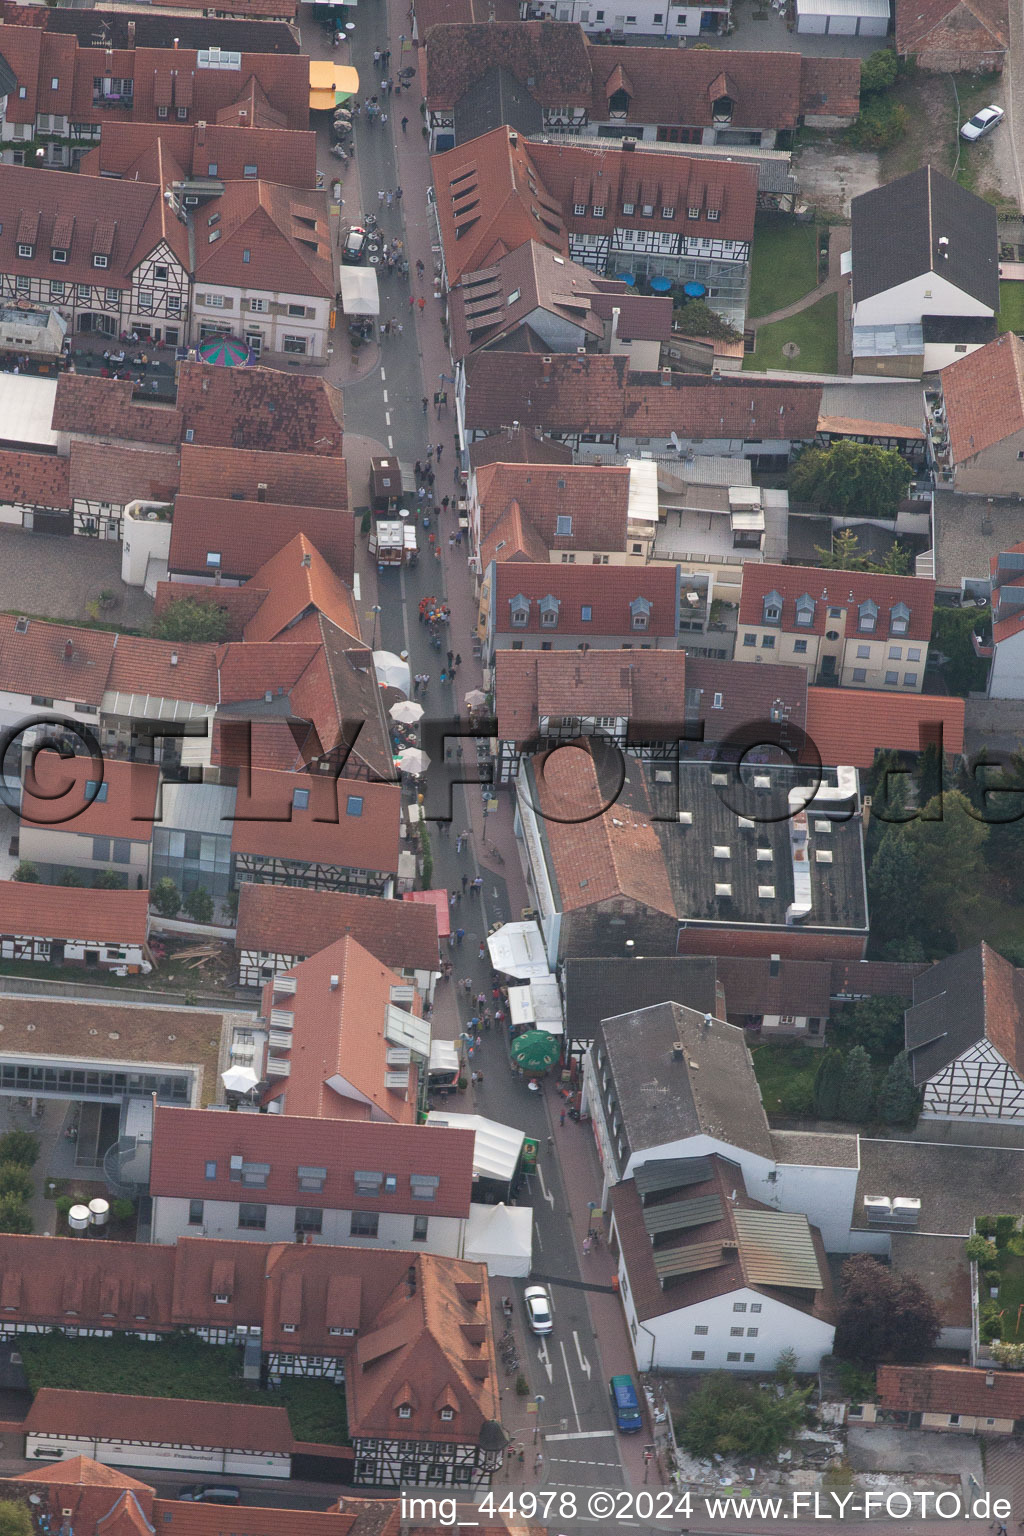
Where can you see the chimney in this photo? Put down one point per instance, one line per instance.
(243, 114)
(616, 312)
(174, 658)
(990, 1379)
(513, 139)
(666, 376)
(201, 134)
(307, 561)
(334, 983)
(69, 650)
(677, 1050)
(629, 144)
(261, 491)
(175, 42)
(944, 247)
(545, 367)
(206, 384)
(131, 34)
(773, 965)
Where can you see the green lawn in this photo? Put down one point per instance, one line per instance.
(785, 1075)
(1011, 307)
(180, 1366)
(814, 331)
(1011, 1295)
(784, 263)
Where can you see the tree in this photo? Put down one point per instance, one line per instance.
(948, 842)
(828, 1085)
(697, 318)
(899, 1102)
(852, 478)
(187, 619)
(19, 1147)
(878, 71)
(963, 670)
(858, 1089)
(27, 873)
(71, 877)
(15, 1215)
(110, 880)
(881, 124)
(728, 1417)
(199, 905)
(844, 554)
(894, 880)
(166, 897)
(876, 1023)
(15, 1519)
(882, 1315)
(16, 1180)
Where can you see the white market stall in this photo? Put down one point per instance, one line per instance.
(537, 1005)
(500, 1236)
(843, 18)
(360, 294)
(497, 1148)
(517, 949)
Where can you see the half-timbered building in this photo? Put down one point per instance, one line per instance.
(350, 844)
(66, 926)
(963, 1034)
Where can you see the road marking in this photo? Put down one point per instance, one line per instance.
(568, 1378)
(385, 394)
(542, 1356)
(383, 375)
(587, 1434)
(584, 1362)
(387, 417)
(547, 1193)
(391, 446)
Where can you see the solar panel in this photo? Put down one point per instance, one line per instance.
(688, 1260)
(677, 1215)
(776, 1248)
(670, 1173)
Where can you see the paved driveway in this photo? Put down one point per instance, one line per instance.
(58, 577)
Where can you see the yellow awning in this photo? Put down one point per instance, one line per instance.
(330, 84)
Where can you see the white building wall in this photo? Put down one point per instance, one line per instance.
(929, 294)
(1006, 674)
(670, 1342)
(826, 1196)
(220, 1219)
(647, 18)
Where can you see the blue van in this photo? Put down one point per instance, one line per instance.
(625, 1404)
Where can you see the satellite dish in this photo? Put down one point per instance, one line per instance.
(674, 440)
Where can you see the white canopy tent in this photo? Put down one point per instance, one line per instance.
(500, 1236)
(537, 1005)
(517, 949)
(496, 1149)
(360, 294)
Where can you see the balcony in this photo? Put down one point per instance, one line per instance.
(281, 1018)
(277, 1066)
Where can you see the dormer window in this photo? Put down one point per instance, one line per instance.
(712, 215)
(772, 608)
(58, 254)
(668, 211)
(549, 607)
(721, 109)
(899, 619)
(647, 209)
(405, 1412)
(99, 261)
(640, 613)
(598, 210)
(618, 103)
(805, 610)
(520, 611)
(693, 213)
(28, 251)
(629, 207)
(579, 210)
(867, 617)
(447, 1414)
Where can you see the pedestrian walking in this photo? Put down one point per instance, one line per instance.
(444, 679)
(389, 200)
(538, 1461)
(481, 999)
(383, 117)
(465, 879)
(478, 883)
(385, 59)
(451, 900)
(458, 660)
(399, 327)
(381, 194)
(440, 450)
(561, 1117)
(412, 300)
(430, 477)
(480, 1078)
(422, 303)
(451, 657)
(425, 402)
(420, 268)
(482, 952)
(405, 124)
(430, 453)
(460, 934)
(451, 941)
(458, 537)
(376, 58)
(418, 467)
(473, 1078)
(467, 982)
(398, 199)
(446, 502)
(451, 545)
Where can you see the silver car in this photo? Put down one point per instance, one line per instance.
(982, 123)
(538, 1309)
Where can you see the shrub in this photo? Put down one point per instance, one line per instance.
(1010, 1355)
(1004, 1230)
(990, 1330)
(110, 880)
(15, 1215)
(980, 1249)
(878, 71)
(881, 125)
(71, 877)
(986, 1225)
(19, 1147)
(64, 1204)
(199, 905)
(27, 873)
(522, 1386)
(122, 1210)
(166, 897)
(16, 1180)
(186, 619)
(15, 1518)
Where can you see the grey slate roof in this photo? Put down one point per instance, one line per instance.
(953, 1182)
(597, 988)
(947, 1015)
(495, 99)
(897, 229)
(8, 79)
(897, 402)
(712, 1091)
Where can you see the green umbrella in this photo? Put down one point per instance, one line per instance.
(535, 1051)
(225, 352)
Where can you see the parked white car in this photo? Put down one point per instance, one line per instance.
(982, 123)
(538, 1309)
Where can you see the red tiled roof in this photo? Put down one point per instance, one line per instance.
(101, 472)
(950, 1389)
(682, 87)
(642, 316)
(595, 499)
(104, 408)
(746, 696)
(157, 1420)
(828, 87)
(496, 306)
(551, 55)
(282, 155)
(648, 688)
(326, 833)
(172, 77)
(247, 672)
(606, 855)
(67, 804)
(164, 669)
(288, 920)
(239, 603)
(515, 445)
(297, 479)
(512, 536)
(297, 579)
(34, 479)
(55, 660)
(608, 591)
(73, 213)
(800, 987)
(286, 231)
(261, 409)
(557, 393)
(185, 1140)
(836, 589)
(337, 1061)
(65, 912)
(430, 12)
(957, 26)
(984, 396)
(849, 727)
(247, 534)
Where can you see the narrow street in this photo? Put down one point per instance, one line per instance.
(569, 1422)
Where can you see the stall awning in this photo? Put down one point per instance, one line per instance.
(537, 1005)
(330, 84)
(517, 949)
(444, 1057)
(496, 1148)
(359, 292)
